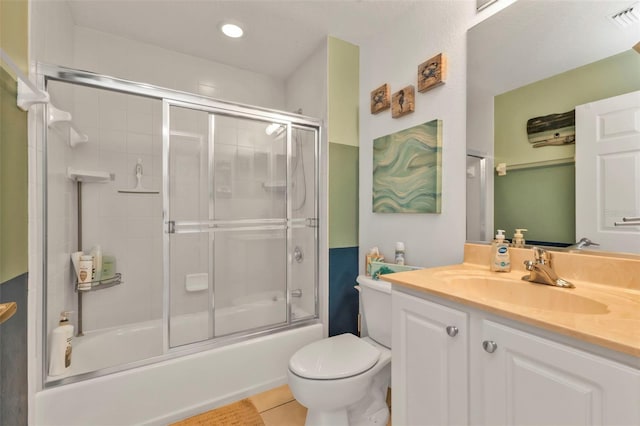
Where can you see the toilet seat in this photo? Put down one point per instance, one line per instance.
(337, 357)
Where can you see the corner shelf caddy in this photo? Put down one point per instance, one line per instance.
(80, 177)
(101, 284)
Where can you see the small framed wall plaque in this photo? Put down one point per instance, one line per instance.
(403, 102)
(432, 73)
(380, 99)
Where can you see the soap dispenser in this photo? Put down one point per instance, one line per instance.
(399, 257)
(518, 238)
(61, 336)
(500, 259)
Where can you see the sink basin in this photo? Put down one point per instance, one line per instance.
(521, 293)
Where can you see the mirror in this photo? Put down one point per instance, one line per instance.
(532, 51)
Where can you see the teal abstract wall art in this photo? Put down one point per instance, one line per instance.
(407, 170)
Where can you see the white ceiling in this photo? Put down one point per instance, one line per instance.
(279, 35)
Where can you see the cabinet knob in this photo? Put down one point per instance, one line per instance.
(490, 346)
(452, 330)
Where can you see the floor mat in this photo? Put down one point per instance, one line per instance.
(239, 413)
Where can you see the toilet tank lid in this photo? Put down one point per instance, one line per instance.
(337, 357)
(380, 285)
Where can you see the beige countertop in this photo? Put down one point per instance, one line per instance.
(601, 314)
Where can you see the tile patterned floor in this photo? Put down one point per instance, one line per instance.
(279, 407)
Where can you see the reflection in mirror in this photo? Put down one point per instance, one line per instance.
(534, 59)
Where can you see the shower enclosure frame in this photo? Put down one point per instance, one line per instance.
(47, 72)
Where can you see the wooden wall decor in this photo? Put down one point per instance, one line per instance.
(432, 73)
(380, 99)
(552, 129)
(403, 102)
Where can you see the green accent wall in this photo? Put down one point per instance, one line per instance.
(543, 199)
(343, 200)
(14, 31)
(603, 79)
(343, 92)
(13, 217)
(344, 71)
(13, 145)
(342, 132)
(518, 203)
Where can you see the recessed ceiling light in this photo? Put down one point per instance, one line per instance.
(232, 30)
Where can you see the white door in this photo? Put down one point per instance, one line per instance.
(429, 367)
(529, 380)
(608, 172)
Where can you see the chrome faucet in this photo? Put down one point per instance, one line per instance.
(541, 271)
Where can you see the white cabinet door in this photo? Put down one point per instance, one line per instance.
(529, 380)
(429, 364)
(608, 171)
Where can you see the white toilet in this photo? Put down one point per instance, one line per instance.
(343, 380)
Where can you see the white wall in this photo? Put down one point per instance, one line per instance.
(393, 56)
(120, 57)
(306, 87)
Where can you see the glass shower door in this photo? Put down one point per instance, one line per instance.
(226, 214)
(304, 223)
(189, 249)
(250, 224)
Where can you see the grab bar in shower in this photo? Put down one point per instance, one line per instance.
(184, 227)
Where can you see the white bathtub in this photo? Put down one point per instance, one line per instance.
(172, 389)
(110, 347)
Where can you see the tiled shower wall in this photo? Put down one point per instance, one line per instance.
(120, 57)
(122, 130)
(125, 129)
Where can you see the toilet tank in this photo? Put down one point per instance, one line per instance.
(375, 296)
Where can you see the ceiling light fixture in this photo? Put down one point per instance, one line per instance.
(231, 30)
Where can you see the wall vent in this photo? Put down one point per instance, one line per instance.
(628, 16)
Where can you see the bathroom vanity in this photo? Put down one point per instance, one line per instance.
(472, 346)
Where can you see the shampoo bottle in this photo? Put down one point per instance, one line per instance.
(96, 253)
(518, 238)
(60, 357)
(500, 261)
(85, 272)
